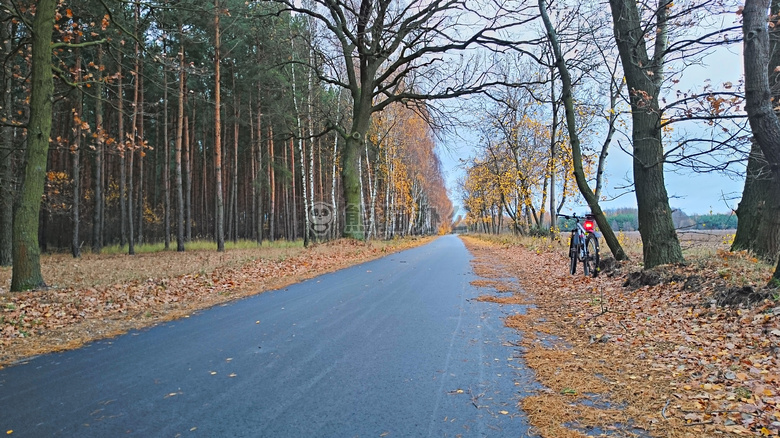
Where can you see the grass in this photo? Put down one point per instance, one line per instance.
(203, 245)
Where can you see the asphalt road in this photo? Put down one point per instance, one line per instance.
(395, 347)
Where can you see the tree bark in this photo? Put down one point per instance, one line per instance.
(234, 171)
(758, 95)
(7, 184)
(178, 146)
(26, 271)
(97, 215)
(659, 239)
(272, 186)
(75, 246)
(758, 228)
(258, 176)
(122, 144)
(166, 173)
(141, 155)
(187, 177)
(219, 207)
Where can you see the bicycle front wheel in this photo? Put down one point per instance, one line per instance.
(573, 251)
(591, 262)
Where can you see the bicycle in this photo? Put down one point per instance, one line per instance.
(584, 245)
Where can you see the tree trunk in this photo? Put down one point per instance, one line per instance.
(97, 215)
(7, 183)
(75, 246)
(234, 182)
(659, 239)
(758, 211)
(272, 186)
(758, 96)
(292, 223)
(166, 173)
(177, 159)
(333, 199)
(26, 271)
(187, 177)
(758, 230)
(219, 207)
(141, 154)
(122, 144)
(350, 177)
(258, 179)
(574, 140)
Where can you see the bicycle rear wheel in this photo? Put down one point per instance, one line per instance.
(591, 262)
(573, 250)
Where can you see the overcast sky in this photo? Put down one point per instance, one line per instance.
(692, 193)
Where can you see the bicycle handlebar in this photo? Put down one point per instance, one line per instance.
(574, 216)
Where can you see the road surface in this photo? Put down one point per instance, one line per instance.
(396, 347)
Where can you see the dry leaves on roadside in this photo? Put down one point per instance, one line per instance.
(70, 314)
(681, 365)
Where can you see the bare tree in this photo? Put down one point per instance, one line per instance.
(644, 73)
(574, 140)
(390, 52)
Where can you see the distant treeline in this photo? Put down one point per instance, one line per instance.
(625, 219)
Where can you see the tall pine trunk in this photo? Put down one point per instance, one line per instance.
(234, 171)
(179, 135)
(257, 179)
(187, 178)
(97, 215)
(75, 246)
(272, 186)
(6, 153)
(219, 207)
(26, 271)
(141, 155)
(166, 172)
(122, 144)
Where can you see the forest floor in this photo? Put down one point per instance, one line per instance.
(101, 296)
(669, 352)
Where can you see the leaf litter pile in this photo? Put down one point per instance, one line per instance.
(678, 351)
(100, 296)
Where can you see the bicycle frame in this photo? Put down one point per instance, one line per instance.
(584, 245)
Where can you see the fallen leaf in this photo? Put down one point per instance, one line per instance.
(503, 412)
